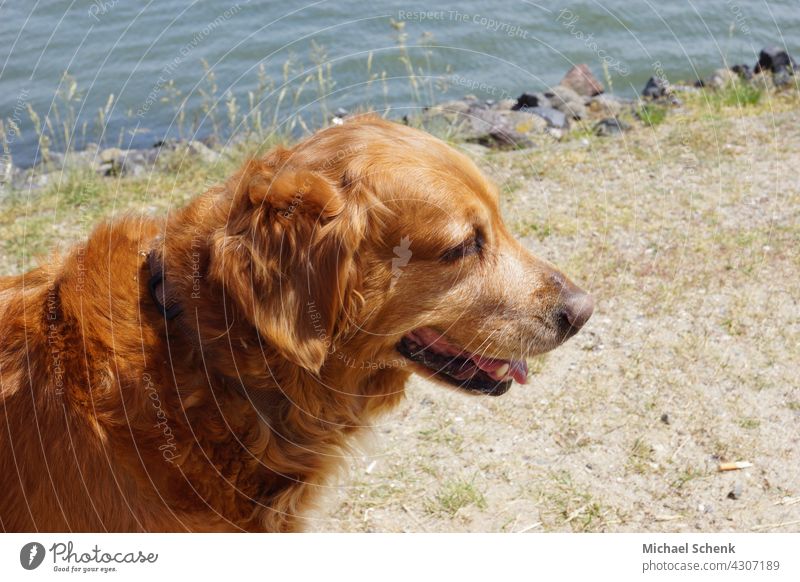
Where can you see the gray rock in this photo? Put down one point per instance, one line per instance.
(201, 150)
(744, 71)
(679, 88)
(111, 155)
(449, 107)
(721, 78)
(610, 126)
(446, 116)
(505, 104)
(474, 150)
(656, 88)
(567, 101)
(503, 129)
(782, 78)
(608, 105)
(553, 117)
(138, 162)
(111, 161)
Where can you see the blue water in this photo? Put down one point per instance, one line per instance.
(134, 51)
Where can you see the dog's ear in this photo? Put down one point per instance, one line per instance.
(286, 257)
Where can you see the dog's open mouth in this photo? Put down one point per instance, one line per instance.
(455, 365)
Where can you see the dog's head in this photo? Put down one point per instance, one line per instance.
(381, 242)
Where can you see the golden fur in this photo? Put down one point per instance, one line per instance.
(115, 419)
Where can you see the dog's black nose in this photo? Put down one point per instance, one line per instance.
(578, 308)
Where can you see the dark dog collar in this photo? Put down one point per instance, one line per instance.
(169, 306)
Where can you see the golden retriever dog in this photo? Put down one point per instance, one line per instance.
(206, 372)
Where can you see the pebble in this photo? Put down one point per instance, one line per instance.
(610, 126)
(736, 491)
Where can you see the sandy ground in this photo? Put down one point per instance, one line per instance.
(688, 234)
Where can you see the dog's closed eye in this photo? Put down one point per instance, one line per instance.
(471, 246)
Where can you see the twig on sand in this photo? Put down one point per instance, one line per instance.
(675, 453)
(668, 517)
(788, 501)
(530, 527)
(413, 516)
(576, 513)
(774, 525)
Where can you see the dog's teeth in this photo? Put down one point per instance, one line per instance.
(501, 371)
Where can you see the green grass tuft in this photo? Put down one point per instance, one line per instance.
(455, 495)
(652, 114)
(737, 95)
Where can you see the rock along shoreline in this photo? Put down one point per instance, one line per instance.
(578, 103)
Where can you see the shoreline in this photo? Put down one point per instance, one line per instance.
(577, 105)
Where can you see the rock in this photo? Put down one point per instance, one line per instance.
(581, 80)
(665, 418)
(503, 129)
(448, 113)
(736, 491)
(455, 106)
(111, 155)
(678, 88)
(339, 116)
(138, 162)
(528, 100)
(744, 71)
(115, 161)
(201, 150)
(590, 341)
(608, 105)
(567, 101)
(111, 161)
(610, 126)
(721, 78)
(474, 150)
(782, 78)
(656, 88)
(774, 59)
(505, 104)
(553, 117)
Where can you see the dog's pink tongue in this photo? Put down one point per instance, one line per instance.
(431, 339)
(499, 369)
